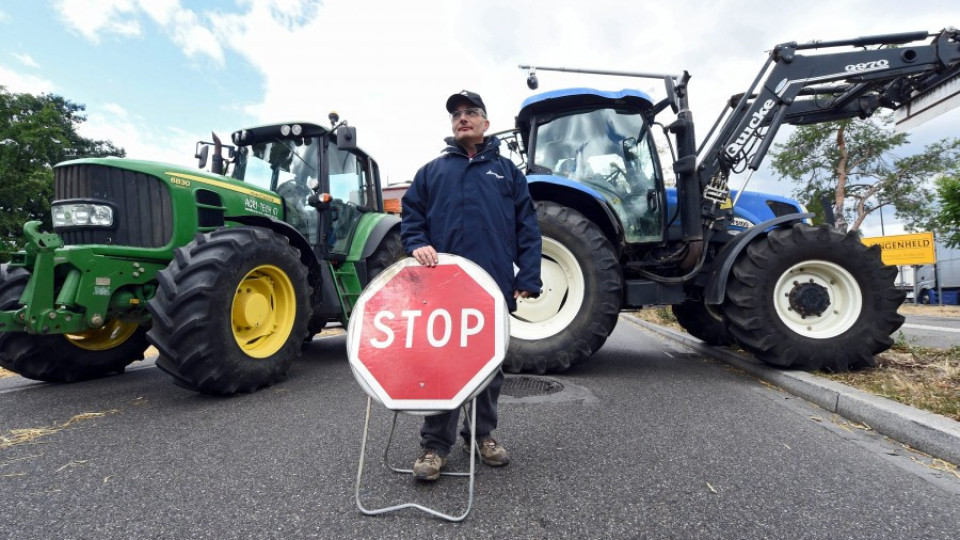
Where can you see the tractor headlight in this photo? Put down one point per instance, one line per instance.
(82, 215)
(286, 130)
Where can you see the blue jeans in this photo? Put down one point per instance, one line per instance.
(439, 431)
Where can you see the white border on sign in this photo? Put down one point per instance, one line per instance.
(471, 388)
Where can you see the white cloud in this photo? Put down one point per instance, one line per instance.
(387, 67)
(20, 83)
(386, 71)
(91, 18)
(196, 39)
(162, 11)
(26, 60)
(187, 30)
(112, 122)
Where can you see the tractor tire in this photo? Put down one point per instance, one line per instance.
(65, 358)
(812, 298)
(703, 322)
(388, 252)
(231, 311)
(580, 303)
(924, 297)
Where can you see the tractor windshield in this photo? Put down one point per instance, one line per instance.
(612, 152)
(272, 164)
(290, 168)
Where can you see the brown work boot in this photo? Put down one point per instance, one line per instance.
(491, 452)
(428, 464)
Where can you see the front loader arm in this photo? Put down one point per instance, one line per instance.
(799, 89)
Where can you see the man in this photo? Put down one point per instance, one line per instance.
(472, 202)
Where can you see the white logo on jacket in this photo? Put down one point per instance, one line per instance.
(495, 174)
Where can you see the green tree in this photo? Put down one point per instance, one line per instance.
(947, 220)
(36, 132)
(855, 162)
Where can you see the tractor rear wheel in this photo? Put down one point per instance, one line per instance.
(703, 322)
(580, 303)
(65, 357)
(812, 298)
(231, 311)
(388, 252)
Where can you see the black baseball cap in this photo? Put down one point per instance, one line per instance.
(465, 95)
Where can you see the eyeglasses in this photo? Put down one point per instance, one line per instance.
(470, 113)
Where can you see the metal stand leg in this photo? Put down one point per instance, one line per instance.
(435, 513)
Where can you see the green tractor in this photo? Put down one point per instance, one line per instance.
(227, 273)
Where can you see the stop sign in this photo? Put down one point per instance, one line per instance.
(425, 339)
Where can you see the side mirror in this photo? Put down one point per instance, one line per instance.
(347, 137)
(203, 151)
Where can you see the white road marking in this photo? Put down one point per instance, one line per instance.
(934, 328)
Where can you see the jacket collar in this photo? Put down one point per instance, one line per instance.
(489, 143)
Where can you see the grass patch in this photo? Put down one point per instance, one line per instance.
(922, 377)
(659, 315)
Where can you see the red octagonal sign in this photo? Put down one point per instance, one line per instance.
(427, 339)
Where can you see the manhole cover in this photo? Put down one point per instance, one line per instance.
(521, 387)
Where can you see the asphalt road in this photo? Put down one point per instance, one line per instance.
(939, 332)
(647, 440)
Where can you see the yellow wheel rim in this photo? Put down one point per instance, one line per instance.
(108, 336)
(264, 310)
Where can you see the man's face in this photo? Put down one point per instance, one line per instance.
(469, 124)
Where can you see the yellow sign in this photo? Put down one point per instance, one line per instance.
(905, 249)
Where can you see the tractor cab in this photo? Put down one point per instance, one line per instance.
(600, 143)
(325, 181)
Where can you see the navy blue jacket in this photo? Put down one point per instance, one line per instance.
(479, 208)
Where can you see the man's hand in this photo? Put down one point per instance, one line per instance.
(426, 255)
(524, 294)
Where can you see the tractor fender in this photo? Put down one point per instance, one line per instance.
(386, 224)
(716, 285)
(583, 199)
(297, 240)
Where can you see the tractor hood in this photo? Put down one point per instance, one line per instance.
(178, 175)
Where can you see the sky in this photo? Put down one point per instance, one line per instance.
(156, 76)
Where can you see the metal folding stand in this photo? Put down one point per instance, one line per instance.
(386, 463)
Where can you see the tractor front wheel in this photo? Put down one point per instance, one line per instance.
(580, 302)
(231, 311)
(65, 357)
(812, 298)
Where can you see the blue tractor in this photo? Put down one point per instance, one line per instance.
(737, 268)
(601, 200)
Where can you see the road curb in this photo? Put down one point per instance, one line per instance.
(930, 433)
